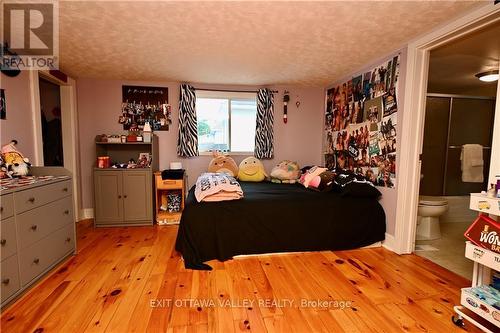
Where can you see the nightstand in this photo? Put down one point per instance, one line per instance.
(170, 195)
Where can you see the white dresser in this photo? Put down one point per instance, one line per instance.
(37, 229)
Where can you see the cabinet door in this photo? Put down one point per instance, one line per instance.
(137, 192)
(108, 196)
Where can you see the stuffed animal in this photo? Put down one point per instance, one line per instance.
(15, 163)
(318, 178)
(222, 163)
(251, 170)
(3, 168)
(285, 172)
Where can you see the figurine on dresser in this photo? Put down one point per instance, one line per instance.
(14, 164)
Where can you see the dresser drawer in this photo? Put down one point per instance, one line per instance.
(168, 184)
(8, 237)
(9, 277)
(6, 206)
(37, 223)
(39, 196)
(40, 256)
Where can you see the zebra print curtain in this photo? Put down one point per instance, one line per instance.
(187, 141)
(264, 136)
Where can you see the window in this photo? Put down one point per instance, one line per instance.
(226, 121)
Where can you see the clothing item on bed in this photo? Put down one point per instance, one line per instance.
(217, 187)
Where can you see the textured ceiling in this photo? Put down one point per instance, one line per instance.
(243, 42)
(452, 67)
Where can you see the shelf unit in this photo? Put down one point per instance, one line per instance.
(484, 261)
(163, 187)
(124, 197)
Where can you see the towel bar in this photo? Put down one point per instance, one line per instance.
(460, 147)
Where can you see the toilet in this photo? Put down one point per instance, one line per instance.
(429, 211)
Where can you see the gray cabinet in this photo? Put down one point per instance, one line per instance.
(137, 195)
(37, 230)
(123, 197)
(108, 197)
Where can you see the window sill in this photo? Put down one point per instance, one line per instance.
(230, 153)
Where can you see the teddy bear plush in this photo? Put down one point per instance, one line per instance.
(15, 164)
(285, 172)
(222, 163)
(252, 170)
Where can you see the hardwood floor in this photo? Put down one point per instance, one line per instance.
(123, 280)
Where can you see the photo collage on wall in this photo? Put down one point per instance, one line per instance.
(145, 104)
(361, 124)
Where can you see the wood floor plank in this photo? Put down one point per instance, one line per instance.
(120, 277)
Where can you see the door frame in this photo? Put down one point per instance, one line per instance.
(69, 124)
(414, 115)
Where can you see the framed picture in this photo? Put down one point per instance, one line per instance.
(144, 160)
(3, 105)
(141, 104)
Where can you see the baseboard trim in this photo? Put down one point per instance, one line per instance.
(85, 214)
(389, 242)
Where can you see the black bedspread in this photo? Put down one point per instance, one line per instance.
(276, 218)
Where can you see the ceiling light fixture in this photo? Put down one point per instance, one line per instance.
(488, 76)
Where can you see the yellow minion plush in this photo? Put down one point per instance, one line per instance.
(251, 170)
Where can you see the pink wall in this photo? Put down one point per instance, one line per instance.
(99, 103)
(19, 123)
(389, 195)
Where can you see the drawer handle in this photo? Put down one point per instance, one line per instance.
(3, 242)
(125, 196)
(32, 200)
(119, 197)
(34, 227)
(1, 209)
(65, 189)
(169, 182)
(36, 261)
(6, 281)
(66, 212)
(68, 239)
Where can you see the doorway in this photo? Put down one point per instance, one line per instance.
(51, 123)
(56, 136)
(459, 116)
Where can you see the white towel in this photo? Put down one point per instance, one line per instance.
(472, 163)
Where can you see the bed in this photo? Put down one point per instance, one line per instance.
(276, 218)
